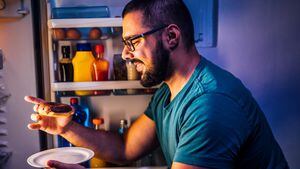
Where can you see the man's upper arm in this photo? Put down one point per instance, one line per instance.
(140, 138)
(177, 165)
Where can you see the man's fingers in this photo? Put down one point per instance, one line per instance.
(33, 100)
(60, 165)
(36, 107)
(34, 126)
(41, 108)
(35, 117)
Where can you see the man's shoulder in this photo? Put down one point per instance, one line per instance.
(214, 80)
(212, 77)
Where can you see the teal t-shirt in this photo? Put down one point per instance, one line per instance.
(214, 122)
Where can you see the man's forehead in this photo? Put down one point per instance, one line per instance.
(133, 24)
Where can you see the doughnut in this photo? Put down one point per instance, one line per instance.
(57, 110)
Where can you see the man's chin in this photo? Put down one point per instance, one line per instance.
(149, 83)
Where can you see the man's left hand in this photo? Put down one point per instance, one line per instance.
(60, 165)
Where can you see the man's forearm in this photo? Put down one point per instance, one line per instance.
(106, 145)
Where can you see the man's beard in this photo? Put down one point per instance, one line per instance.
(160, 68)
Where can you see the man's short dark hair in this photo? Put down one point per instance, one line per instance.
(164, 12)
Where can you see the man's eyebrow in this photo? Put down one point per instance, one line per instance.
(128, 37)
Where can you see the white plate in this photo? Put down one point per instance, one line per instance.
(70, 155)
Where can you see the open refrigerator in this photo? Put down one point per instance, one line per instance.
(121, 99)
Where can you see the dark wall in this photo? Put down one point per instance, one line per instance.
(259, 42)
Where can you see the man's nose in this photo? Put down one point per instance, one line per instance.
(126, 54)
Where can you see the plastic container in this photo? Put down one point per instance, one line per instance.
(80, 12)
(82, 64)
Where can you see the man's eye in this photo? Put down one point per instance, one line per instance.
(136, 42)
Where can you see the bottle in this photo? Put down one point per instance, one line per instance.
(96, 162)
(132, 74)
(79, 116)
(82, 64)
(100, 67)
(98, 123)
(123, 127)
(65, 65)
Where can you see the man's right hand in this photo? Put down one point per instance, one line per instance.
(49, 124)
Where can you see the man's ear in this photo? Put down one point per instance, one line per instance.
(172, 36)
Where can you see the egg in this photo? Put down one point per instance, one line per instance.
(95, 33)
(58, 34)
(73, 33)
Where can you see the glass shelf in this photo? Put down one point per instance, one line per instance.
(84, 23)
(105, 85)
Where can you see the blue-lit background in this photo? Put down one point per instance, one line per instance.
(259, 42)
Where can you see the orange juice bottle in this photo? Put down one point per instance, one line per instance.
(100, 67)
(82, 65)
(96, 162)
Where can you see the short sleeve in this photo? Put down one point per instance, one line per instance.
(148, 112)
(212, 131)
(156, 99)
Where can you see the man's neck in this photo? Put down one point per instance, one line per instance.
(183, 64)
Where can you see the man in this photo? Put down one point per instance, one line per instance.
(202, 116)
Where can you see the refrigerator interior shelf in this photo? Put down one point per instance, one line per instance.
(85, 40)
(84, 23)
(105, 85)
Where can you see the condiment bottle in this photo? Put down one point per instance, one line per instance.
(82, 63)
(65, 65)
(96, 162)
(79, 116)
(123, 126)
(100, 67)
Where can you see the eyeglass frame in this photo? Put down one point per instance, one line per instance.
(128, 41)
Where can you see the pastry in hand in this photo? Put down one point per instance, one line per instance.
(57, 110)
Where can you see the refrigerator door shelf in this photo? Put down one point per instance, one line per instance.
(105, 85)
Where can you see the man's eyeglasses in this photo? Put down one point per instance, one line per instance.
(128, 42)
